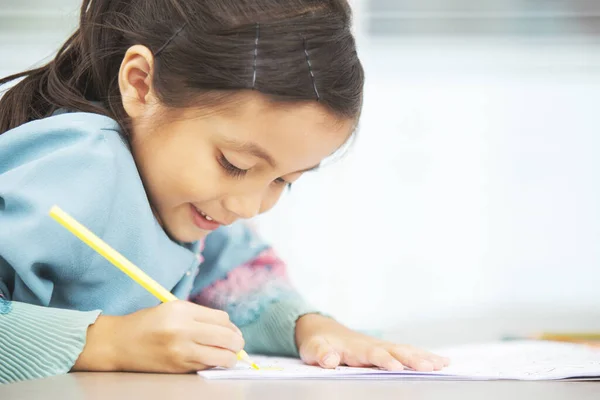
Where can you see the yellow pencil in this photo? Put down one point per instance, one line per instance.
(121, 262)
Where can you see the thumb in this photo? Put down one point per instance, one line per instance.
(318, 351)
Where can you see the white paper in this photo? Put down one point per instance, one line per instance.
(522, 360)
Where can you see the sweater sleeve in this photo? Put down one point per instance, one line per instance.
(40, 262)
(37, 342)
(256, 293)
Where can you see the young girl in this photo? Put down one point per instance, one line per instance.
(158, 125)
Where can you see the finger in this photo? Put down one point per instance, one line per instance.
(412, 358)
(236, 329)
(438, 362)
(207, 356)
(216, 317)
(217, 336)
(318, 351)
(352, 359)
(212, 316)
(379, 357)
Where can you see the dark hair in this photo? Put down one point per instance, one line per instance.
(205, 51)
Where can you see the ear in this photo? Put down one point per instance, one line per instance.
(135, 81)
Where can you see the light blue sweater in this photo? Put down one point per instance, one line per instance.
(81, 163)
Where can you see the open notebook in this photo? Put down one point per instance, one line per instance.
(521, 360)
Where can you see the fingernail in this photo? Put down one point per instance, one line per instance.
(395, 366)
(330, 359)
(426, 366)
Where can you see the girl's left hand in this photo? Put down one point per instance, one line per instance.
(326, 343)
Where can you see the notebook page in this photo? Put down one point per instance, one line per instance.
(525, 360)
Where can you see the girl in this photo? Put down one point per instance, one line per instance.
(158, 125)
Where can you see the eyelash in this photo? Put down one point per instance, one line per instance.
(231, 169)
(236, 172)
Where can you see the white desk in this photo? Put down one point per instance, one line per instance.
(88, 386)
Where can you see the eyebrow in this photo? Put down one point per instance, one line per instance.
(257, 151)
(251, 148)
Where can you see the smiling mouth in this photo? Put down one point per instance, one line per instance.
(203, 220)
(208, 218)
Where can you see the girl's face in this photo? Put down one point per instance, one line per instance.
(206, 168)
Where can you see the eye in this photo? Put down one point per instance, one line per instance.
(231, 169)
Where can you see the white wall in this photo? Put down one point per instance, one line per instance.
(474, 185)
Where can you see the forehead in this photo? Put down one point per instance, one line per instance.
(297, 136)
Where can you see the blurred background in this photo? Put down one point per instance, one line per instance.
(469, 206)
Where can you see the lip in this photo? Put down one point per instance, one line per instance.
(202, 222)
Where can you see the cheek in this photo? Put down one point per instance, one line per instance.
(187, 172)
(271, 199)
(199, 179)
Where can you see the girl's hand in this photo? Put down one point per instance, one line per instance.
(175, 337)
(326, 343)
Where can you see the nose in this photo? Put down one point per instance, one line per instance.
(245, 207)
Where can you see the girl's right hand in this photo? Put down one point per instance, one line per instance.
(175, 337)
